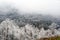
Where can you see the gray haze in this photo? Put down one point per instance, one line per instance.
(51, 7)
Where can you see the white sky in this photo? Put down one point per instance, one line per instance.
(41, 6)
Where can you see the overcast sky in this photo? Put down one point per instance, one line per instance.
(41, 6)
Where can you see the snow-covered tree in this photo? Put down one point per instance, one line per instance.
(53, 27)
(8, 27)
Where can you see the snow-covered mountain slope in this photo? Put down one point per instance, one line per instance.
(28, 32)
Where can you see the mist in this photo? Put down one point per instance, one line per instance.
(48, 7)
(29, 19)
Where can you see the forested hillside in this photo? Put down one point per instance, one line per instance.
(17, 26)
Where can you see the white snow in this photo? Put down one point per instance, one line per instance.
(28, 32)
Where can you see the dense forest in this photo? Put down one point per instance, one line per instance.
(17, 26)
